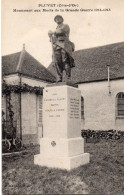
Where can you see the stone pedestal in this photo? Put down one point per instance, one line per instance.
(62, 145)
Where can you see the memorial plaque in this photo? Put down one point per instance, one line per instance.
(55, 111)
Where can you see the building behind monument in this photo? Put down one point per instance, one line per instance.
(102, 99)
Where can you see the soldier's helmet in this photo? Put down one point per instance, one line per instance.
(58, 16)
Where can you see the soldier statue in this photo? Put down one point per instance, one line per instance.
(62, 49)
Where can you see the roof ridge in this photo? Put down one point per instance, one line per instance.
(122, 42)
(39, 63)
(21, 58)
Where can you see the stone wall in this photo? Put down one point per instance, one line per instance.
(100, 106)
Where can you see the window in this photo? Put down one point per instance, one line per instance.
(120, 104)
(82, 108)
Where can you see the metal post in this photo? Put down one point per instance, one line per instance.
(20, 111)
(109, 87)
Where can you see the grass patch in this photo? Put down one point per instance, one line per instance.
(103, 175)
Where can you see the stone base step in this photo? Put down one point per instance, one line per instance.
(67, 163)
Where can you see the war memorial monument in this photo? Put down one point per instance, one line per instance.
(62, 145)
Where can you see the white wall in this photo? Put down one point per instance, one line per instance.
(33, 82)
(32, 127)
(12, 79)
(100, 107)
(15, 79)
(29, 113)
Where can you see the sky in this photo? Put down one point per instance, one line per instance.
(87, 28)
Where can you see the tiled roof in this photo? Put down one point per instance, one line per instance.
(91, 64)
(9, 63)
(24, 63)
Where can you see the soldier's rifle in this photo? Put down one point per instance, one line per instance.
(54, 57)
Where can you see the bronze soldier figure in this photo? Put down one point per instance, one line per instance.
(62, 48)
